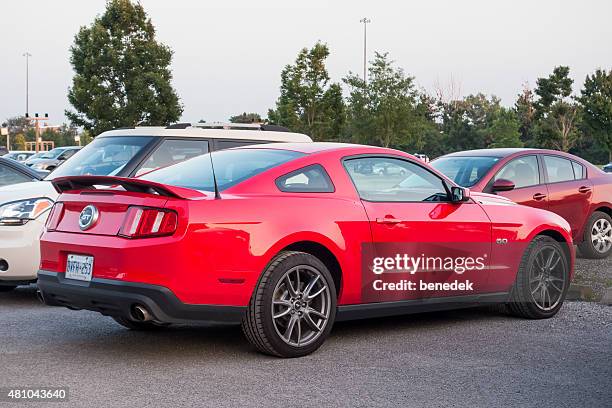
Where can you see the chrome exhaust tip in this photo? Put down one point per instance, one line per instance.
(40, 297)
(141, 314)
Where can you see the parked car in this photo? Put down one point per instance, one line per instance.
(122, 152)
(276, 238)
(607, 168)
(19, 155)
(556, 181)
(422, 157)
(53, 158)
(13, 172)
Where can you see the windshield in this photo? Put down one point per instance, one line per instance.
(105, 156)
(465, 170)
(51, 154)
(231, 168)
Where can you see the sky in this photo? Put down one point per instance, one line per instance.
(228, 54)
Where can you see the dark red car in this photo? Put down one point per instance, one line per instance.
(288, 238)
(548, 179)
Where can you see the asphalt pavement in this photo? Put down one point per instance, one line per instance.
(471, 358)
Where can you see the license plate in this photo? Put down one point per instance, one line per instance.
(79, 267)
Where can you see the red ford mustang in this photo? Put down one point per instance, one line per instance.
(288, 238)
(556, 181)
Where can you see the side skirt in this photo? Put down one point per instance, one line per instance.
(371, 310)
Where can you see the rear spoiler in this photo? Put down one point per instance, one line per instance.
(76, 183)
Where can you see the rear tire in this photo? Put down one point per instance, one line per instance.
(597, 240)
(139, 326)
(542, 280)
(6, 288)
(293, 308)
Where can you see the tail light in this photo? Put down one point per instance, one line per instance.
(147, 222)
(55, 216)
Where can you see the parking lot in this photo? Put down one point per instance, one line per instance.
(460, 358)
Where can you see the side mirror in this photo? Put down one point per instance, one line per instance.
(459, 194)
(502, 185)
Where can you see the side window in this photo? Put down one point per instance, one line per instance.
(558, 169)
(578, 171)
(228, 144)
(66, 155)
(9, 176)
(388, 179)
(311, 179)
(523, 172)
(172, 151)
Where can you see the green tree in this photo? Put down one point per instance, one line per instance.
(19, 142)
(122, 75)
(596, 99)
(525, 112)
(387, 110)
(246, 118)
(308, 101)
(558, 115)
(504, 130)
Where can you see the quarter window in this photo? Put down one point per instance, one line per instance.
(387, 179)
(578, 171)
(523, 172)
(558, 169)
(311, 179)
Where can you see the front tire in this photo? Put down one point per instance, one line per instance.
(293, 307)
(542, 280)
(597, 240)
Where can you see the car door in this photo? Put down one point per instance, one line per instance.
(529, 187)
(569, 191)
(411, 217)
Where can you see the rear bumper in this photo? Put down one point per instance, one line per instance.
(117, 298)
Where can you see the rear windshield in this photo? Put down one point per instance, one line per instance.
(105, 156)
(465, 170)
(231, 168)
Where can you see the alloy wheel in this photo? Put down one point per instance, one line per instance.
(547, 278)
(601, 235)
(301, 305)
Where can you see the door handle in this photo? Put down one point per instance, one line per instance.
(584, 189)
(539, 196)
(388, 220)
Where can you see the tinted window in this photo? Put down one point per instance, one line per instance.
(228, 144)
(558, 169)
(52, 154)
(173, 151)
(10, 176)
(465, 171)
(231, 167)
(404, 181)
(311, 179)
(523, 172)
(104, 156)
(578, 171)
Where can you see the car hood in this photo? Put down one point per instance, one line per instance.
(34, 161)
(23, 191)
(491, 199)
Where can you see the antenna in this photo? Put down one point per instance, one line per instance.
(212, 167)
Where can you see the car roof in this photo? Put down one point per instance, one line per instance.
(499, 152)
(308, 148)
(194, 131)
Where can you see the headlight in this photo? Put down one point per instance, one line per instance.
(20, 212)
(39, 166)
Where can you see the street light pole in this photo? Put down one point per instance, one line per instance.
(27, 55)
(365, 22)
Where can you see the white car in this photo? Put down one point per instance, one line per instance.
(122, 152)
